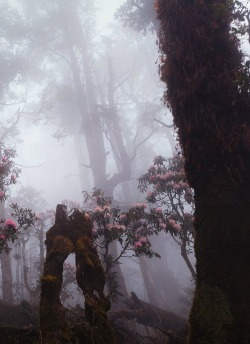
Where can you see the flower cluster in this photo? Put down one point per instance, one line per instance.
(170, 197)
(8, 230)
(8, 172)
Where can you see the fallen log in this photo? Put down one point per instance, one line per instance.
(149, 315)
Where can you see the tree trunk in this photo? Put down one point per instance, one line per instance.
(209, 96)
(6, 277)
(6, 268)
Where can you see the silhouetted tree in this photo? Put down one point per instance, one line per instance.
(208, 91)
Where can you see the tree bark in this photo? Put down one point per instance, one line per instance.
(209, 96)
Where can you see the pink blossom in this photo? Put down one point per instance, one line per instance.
(138, 244)
(158, 210)
(163, 225)
(2, 194)
(152, 178)
(87, 216)
(177, 227)
(39, 216)
(4, 159)
(94, 230)
(176, 187)
(10, 223)
(172, 222)
(117, 227)
(143, 240)
(183, 184)
(167, 175)
(98, 210)
(13, 178)
(122, 228)
(140, 205)
(122, 217)
(2, 237)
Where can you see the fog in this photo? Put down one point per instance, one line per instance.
(81, 104)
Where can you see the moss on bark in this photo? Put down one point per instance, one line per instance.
(73, 234)
(208, 91)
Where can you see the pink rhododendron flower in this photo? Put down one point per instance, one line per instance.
(4, 159)
(98, 210)
(143, 240)
(158, 210)
(2, 236)
(138, 244)
(10, 223)
(183, 184)
(167, 175)
(1, 194)
(163, 225)
(117, 227)
(140, 205)
(177, 227)
(172, 222)
(13, 178)
(94, 230)
(122, 217)
(87, 216)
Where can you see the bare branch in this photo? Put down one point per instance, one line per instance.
(8, 131)
(164, 124)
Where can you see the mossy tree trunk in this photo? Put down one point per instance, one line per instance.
(207, 89)
(68, 235)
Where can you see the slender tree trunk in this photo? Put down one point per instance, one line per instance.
(6, 277)
(209, 96)
(6, 268)
(153, 297)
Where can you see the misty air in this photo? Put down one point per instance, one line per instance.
(124, 172)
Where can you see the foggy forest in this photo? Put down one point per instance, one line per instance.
(124, 172)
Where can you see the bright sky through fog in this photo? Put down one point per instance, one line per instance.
(106, 9)
(63, 180)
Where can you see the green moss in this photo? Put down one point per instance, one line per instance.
(61, 245)
(211, 315)
(49, 278)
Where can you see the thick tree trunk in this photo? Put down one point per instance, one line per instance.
(209, 96)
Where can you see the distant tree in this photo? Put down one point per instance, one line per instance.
(9, 229)
(208, 92)
(138, 14)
